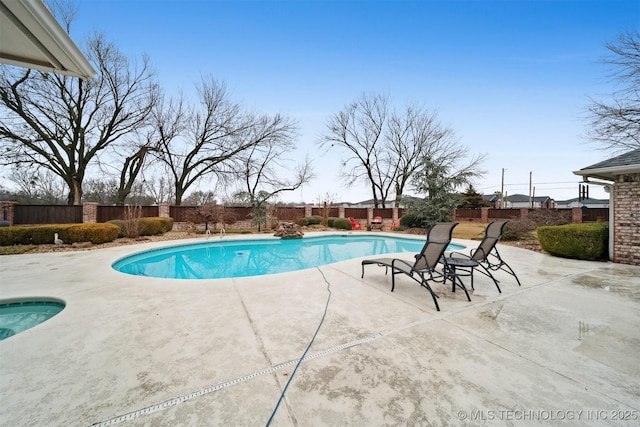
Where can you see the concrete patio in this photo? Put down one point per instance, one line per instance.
(560, 350)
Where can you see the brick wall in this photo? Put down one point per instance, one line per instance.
(89, 212)
(626, 205)
(6, 212)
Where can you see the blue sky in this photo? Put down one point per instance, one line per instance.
(511, 78)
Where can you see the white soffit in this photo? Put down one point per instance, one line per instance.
(31, 37)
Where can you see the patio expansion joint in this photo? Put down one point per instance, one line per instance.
(439, 316)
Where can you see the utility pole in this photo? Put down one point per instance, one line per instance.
(502, 191)
(530, 198)
(534, 196)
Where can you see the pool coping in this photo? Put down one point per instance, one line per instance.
(316, 236)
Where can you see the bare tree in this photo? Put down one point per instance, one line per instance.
(615, 124)
(325, 201)
(62, 124)
(212, 139)
(386, 147)
(36, 186)
(357, 132)
(102, 191)
(416, 134)
(160, 189)
(263, 177)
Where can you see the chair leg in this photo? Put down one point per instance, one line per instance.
(502, 263)
(435, 301)
(433, 294)
(455, 277)
(513, 273)
(487, 273)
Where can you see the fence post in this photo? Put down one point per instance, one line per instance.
(164, 210)
(307, 210)
(576, 215)
(484, 215)
(524, 213)
(6, 209)
(89, 212)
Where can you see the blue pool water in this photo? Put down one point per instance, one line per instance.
(19, 316)
(240, 258)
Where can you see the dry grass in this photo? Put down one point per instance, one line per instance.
(469, 231)
(475, 231)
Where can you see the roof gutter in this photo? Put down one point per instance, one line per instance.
(34, 20)
(607, 174)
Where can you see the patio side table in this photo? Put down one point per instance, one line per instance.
(454, 268)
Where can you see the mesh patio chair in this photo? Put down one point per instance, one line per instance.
(485, 256)
(423, 269)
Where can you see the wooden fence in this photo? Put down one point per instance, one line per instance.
(66, 214)
(595, 215)
(47, 214)
(69, 214)
(107, 213)
(490, 214)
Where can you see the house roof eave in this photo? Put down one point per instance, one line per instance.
(33, 38)
(607, 174)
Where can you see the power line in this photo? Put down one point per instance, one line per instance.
(534, 183)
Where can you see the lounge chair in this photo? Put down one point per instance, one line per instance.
(355, 225)
(486, 256)
(423, 269)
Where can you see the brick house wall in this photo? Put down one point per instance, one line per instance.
(626, 206)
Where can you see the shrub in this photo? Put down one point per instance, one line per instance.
(411, 221)
(148, 227)
(167, 224)
(16, 235)
(310, 220)
(94, 233)
(69, 233)
(579, 241)
(132, 216)
(518, 230)
(121, 224)
(550, 217)
(342, 224)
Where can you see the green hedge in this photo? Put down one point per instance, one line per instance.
(580, 241)
(69, 233)
(310, 220)
(341, 224)
(411, 221)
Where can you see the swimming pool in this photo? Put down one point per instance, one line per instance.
(241, 258)
(19, 315)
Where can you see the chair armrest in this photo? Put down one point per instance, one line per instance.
(395, 260)
(459, 255)
(473, 252)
